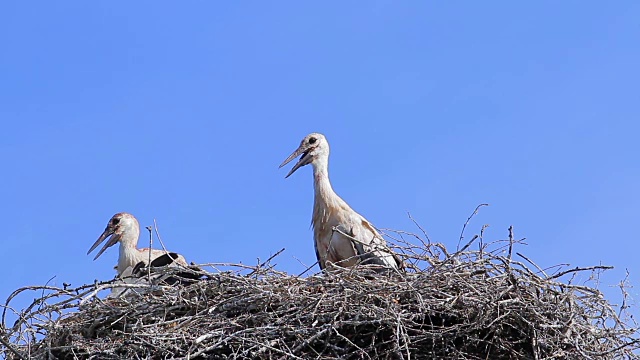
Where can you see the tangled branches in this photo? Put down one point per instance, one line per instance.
(471, 304)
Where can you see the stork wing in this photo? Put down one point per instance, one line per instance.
(162, 260)
(355, 241)
(373, 249)
(320, 260)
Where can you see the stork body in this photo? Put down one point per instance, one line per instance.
(341, 235)
(125, 229)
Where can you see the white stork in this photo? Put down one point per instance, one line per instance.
(341, 235)
(124, 228)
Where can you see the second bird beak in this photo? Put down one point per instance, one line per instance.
(304, 160)
(112, 241)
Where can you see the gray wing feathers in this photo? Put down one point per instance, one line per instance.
(320, 261)
(371, 248)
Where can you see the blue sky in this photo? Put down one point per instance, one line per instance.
(183, 112)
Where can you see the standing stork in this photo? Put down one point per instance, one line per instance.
(341, 235)
(125, 229)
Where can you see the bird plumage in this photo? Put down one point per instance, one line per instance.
(341, 235)
(169, 259)
(125, 229)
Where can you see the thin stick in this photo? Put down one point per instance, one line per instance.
(481, 243)
(510, 241)
(266, 261)
(308, 268)
(419, 227)
(150, 244)
(599, 267)
(8, 346)
(533, 264)
(155, 226)
(467, 222)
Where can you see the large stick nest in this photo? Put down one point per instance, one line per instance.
(489, 303)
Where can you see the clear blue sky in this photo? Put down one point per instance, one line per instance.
(183, 112)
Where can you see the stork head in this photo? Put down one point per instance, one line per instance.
(313, 147)
(120, 225)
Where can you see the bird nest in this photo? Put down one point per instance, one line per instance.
(489, 303)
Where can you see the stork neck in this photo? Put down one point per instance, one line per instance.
(129, 237)
(321, 182)
(129, 253)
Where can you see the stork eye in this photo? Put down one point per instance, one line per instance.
(312, 140)
(115, 221)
